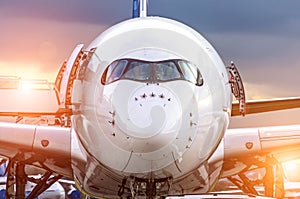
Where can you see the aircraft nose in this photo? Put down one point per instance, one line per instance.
(153, 110)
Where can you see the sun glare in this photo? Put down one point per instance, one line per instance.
(292, 169)
(26, 71)
(26, 86)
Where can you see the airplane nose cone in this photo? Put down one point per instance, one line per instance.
(153, 110)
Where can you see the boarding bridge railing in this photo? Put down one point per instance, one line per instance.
(29, 101)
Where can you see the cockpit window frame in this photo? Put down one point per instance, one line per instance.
(178, 73)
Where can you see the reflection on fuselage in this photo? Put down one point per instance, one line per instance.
(149, 114)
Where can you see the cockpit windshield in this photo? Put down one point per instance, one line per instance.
(139, 71)
(152, 72)
(166, 71)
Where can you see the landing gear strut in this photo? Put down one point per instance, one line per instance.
(17, 179)
(273, 181)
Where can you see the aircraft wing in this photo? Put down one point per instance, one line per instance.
(249, 148)
(45, 147)
(260, 106)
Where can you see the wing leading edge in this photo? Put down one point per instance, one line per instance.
(260, 106)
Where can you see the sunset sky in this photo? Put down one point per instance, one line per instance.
(261, 37)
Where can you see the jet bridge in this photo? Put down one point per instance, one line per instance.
(40, 102)
(29, 101)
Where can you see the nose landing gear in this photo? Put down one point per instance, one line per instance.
(145, 187)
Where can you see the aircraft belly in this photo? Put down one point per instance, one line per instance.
(97, 180)
(101, 181)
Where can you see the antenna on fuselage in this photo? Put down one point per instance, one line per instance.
(139, 8)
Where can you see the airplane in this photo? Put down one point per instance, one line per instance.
(143, 111)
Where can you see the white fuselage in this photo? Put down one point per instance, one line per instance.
(150, 129)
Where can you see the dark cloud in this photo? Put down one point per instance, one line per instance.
(262, 37)
(206, 15)
(230, 15)
(90, 11)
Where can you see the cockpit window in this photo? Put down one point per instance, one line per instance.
(189, 71)
(138, 71)
(117, 70)
(108, 71)
(166, 71)
(152, 72)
